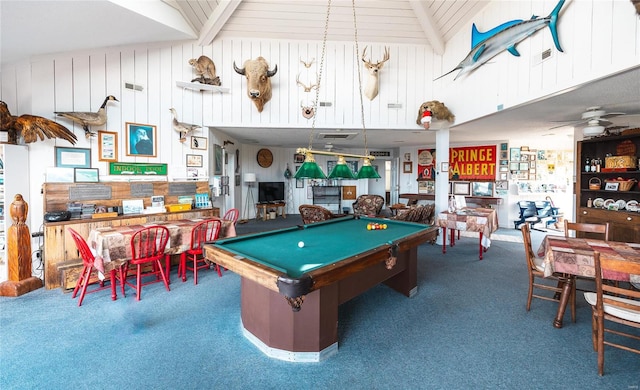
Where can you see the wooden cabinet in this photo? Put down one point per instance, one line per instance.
(624, 224)
(60, 249)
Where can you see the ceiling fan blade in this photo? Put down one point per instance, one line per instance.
(612, 114)
(570, 124)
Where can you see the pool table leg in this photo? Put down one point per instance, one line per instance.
(444, 239)
(480, 245)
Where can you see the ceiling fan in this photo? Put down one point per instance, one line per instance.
(595, 118)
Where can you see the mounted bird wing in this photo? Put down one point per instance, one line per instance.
(32, 127)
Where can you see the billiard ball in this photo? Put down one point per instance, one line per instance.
(301, 244)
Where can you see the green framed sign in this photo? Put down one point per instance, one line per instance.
(120, 168)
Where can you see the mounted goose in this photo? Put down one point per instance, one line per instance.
(31, 127)
(87, 119)
(184, 129)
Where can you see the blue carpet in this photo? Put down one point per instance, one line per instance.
(466, 328)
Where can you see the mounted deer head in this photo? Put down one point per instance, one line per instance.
(371, 90)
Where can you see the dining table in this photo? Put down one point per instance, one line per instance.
(481, 220)
(111, 246)
(574, 256)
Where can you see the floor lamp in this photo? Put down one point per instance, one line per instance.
(249, 179)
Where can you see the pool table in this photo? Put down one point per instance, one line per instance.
(290, 294)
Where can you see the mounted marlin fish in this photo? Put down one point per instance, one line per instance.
(486, 45)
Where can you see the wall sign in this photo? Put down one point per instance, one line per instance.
(473, 163)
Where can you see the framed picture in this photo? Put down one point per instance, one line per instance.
(524, 166)
(59, 175)
(199, 143)
(107, 146)
(141, 140)
(73, 157)
(217, 154)
(349, 192)
(298, 158)
(514, 166)
(532, 164)
(482, 189)
(194, 160)
(611, 186)
(504, 155)
(504, 169)
(514, 154)
(85, 175)
(407, 167)
(461, 188)
(299, 183)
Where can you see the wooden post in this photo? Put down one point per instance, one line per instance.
(19, 252)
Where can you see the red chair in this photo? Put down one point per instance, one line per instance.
(205, 231)
(231, 215)
(88, 266)
(147, 247)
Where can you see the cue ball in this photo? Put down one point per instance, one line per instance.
(301, 244)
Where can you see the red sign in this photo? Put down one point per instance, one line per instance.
(473, 163)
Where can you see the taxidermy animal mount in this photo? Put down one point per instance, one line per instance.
(371, 89)
(307, 111)
(206, 71)
(258, 80)
(87, 119)
(486, 45)
(31, 127)
(307, 64)
(433, 109)
(310, 87)
(184, 129)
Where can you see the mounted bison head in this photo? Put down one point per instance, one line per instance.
(258, 80)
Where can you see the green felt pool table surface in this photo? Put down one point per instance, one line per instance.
(324, 243)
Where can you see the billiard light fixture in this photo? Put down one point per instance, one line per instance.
(310, 168)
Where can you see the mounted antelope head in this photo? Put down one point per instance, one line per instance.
(371, 90)
(310, 87)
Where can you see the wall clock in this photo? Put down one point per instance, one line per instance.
(265, 158)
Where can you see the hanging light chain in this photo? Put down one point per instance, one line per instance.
(324, 47)
(357, 50)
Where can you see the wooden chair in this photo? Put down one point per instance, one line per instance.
(231, 215)
(88, 261)
(608, 305)
(147, 247)
(368, 204)
(591, 230)
(311, 213)
(535, 267)
(205, 231)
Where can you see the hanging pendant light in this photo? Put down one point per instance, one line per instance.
(341, 170)
(310, 169)
(367, 171)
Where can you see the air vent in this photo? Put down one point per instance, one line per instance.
(546, 54)
(133, 86)
(336, 135)
(325, 104)
(380, 153)
(394, 105)
(543, 56)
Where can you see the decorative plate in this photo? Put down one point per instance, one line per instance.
(598, 202)
(632, 205)
(608, 202)
(621, 204)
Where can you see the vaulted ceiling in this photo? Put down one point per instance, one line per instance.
(32, 28)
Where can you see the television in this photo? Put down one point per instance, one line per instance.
(271, 191)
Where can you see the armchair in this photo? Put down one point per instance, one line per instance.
(312, 213)
(368, 204)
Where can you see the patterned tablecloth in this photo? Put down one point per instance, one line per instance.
(111, 245)
(575, 256)
(480, 220)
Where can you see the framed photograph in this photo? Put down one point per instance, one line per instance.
(532, 164)
(514, 166)
(514, 154)
(504, 155)
(73, 157)
(504, 169)
(298, 158)
(194, 160)
(59, 175)
(141, 140)
(482, 189)
(85, 175)
(444, 167)
(524, 166)
(503, 146)
(502, 185)
(107, 146)
(199, 143)
(349, 192)
(192, 173)
(299, 183)
(461, 188)
(407, 167)
(611, 186)
(503, 176)
(217, 155)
